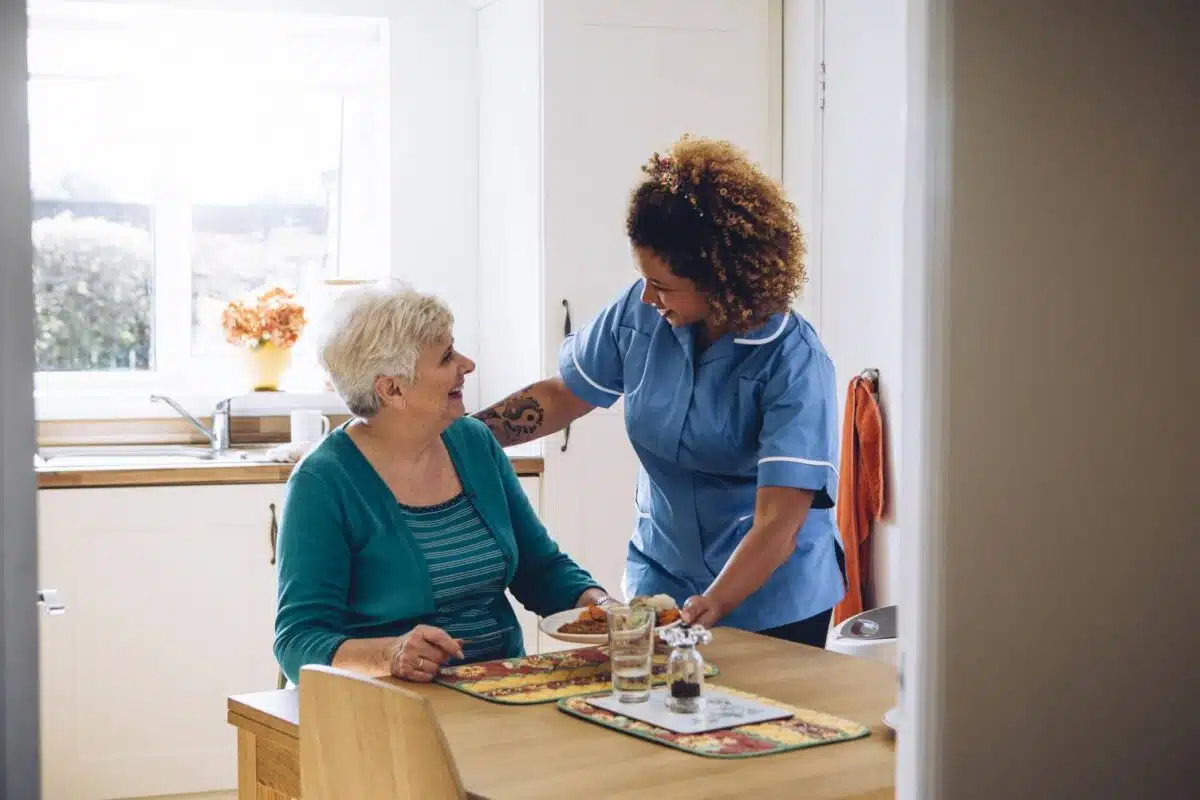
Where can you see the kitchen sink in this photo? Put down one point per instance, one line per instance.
(139, 456)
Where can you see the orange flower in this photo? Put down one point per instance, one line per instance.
(273, 316)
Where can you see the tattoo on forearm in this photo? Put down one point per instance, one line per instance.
(514, 419)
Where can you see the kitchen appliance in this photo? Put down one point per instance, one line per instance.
(872, 635)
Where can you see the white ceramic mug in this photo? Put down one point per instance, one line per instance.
(308, 425)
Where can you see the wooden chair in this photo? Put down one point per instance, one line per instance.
(370, 740)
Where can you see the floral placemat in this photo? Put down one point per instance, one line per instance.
(803, 729)
(543, 678)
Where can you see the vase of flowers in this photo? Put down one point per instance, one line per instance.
(266, 327)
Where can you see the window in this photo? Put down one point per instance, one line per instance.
(182, 158)
(93, 237)
(263, 190)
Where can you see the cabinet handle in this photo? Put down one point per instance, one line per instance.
(566, 332)
(48, 600)
(274, 531)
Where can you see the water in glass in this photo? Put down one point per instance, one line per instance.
(631, 649)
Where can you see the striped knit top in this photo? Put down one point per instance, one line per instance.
(467, 568)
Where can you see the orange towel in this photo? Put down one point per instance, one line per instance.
(860, 491)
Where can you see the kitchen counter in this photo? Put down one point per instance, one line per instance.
(194, 473)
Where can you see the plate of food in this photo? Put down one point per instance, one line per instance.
(590, 625)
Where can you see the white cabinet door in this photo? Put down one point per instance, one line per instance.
(171, 597)
(622, 79)
(863, 166)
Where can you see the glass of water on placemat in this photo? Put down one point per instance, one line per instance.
(631, 650)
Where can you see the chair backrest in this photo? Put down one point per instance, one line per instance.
(369, 740)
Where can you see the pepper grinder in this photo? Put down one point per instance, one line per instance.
(685, 667)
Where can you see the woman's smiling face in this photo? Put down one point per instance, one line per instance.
(436, 390)
(677, 299)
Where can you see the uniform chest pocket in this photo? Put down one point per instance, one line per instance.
(743, 424)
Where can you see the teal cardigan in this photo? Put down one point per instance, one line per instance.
(349, 568)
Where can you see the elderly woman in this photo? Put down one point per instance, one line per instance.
(403, 528)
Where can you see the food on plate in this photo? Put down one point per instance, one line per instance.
(658, 602)
(668, 617)
(594, 621)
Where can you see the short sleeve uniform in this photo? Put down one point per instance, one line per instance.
(751, 410)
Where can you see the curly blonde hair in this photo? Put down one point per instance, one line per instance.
(716, 219)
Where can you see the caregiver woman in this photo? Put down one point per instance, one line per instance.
(729, 400)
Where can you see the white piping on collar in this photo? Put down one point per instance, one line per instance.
(770, 338)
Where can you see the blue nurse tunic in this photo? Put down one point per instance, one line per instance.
(709, 429)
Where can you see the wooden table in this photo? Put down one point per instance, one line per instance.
(529, 752)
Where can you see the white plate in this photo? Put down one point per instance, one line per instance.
(550, 625)
(891, 718)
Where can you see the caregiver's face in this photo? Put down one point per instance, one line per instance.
(677, 299)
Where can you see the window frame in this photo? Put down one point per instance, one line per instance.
(349, 56)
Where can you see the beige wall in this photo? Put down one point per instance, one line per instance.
(1073, 527)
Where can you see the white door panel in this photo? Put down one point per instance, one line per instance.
(862, 238)
(172, 598)
(622, 80)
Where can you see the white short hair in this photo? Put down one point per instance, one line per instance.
(373, 331)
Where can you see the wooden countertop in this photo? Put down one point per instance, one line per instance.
(534, 752)
(196, 474)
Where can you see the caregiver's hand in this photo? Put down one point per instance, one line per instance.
(417, 655)
(701, 609)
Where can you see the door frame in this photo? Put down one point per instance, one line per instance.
(928, 223)
(19, 757)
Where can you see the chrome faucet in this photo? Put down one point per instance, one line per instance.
(218, 437)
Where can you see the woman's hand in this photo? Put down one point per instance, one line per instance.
(701, 609)
(419, 654)
(592, 597)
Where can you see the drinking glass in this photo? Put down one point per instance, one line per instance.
(631, 650)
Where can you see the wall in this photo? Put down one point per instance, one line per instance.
(844, 166)
(435, 159)
(1066, 361)
(510, 196)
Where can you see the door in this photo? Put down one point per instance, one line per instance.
(18, 526)
(684, 66)
(862, 216)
